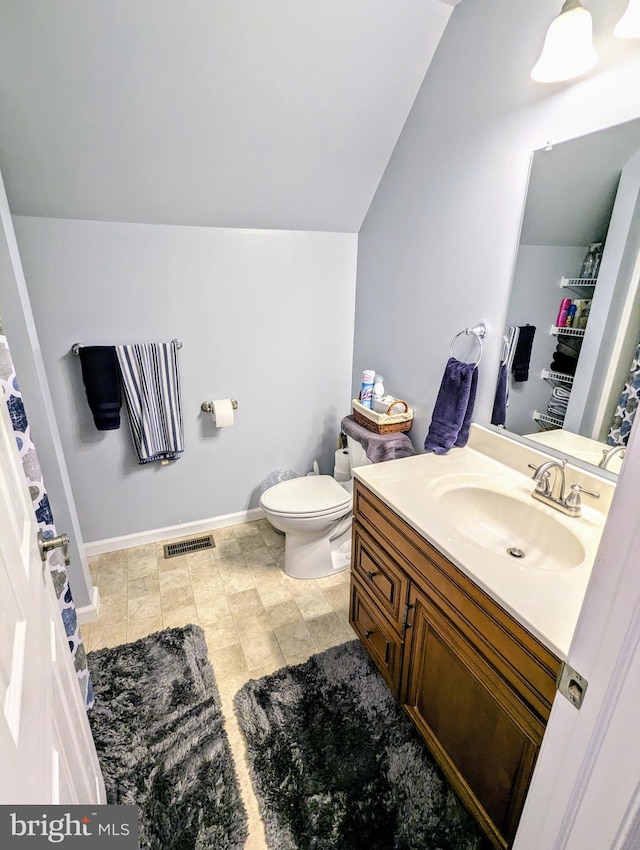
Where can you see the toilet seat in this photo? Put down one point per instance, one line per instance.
(312, 495)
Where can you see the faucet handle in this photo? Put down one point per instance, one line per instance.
(573, 499)
(578, 489)
(543, 481)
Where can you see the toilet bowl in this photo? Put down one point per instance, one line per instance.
(314, 512)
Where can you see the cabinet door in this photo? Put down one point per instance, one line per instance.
(480, 732)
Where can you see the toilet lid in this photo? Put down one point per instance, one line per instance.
(312, 494)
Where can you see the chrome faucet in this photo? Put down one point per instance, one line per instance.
(553, 493)
(607, 454)
(542, 476)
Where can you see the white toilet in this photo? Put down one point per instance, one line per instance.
(314, 512)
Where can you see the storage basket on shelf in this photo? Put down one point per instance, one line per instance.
(383, 423)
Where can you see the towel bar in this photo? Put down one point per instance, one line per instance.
(75, 348)
(479, 331)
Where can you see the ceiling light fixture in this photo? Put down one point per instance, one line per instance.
(568, 48)
(629, 24)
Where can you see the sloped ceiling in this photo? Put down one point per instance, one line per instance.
(231, 113)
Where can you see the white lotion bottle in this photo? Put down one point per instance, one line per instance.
(378, 388)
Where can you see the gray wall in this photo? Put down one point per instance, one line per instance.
(613, 335)
(19, 327)
(437, 248)
(266, 317)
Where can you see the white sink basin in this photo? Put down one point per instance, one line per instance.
(519, 531)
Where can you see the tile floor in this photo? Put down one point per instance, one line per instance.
(255, 618)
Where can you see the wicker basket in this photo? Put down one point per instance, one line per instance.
(383, 423)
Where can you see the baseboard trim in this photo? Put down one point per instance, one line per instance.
(185, 529)
(89, 613)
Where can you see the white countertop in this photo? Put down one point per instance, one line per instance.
(546, 602)
(577, 446)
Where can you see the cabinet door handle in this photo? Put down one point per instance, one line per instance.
(405, 623)
(371, 575)
(369, 632)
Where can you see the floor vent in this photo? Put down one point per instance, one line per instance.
(171, 550)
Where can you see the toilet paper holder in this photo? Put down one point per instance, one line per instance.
(207, 406)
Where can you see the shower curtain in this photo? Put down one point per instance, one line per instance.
(44, 517)
(627, 405)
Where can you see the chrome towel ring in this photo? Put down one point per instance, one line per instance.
(479, 331)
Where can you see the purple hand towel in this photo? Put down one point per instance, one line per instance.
(499, 413)
(463, 433)
(451, 418)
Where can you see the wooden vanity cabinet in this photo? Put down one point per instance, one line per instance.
(476, 684)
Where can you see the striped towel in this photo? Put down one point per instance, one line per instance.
(152, 394)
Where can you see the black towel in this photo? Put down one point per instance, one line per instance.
(522, 354)
(572, 342)
(563, 363)
(561, 348)
(101, 377)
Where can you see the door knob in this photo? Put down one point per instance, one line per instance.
(47, 544)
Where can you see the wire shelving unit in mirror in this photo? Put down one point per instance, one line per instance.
(547, 419)
(558, 377)
(555, 331)
(580, 283)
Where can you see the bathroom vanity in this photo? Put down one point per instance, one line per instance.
(462, 646)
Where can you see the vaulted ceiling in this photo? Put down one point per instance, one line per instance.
(231, 113)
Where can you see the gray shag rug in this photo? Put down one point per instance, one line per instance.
(336, 764)
(159, 731)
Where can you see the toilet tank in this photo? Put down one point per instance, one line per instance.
(357, 455)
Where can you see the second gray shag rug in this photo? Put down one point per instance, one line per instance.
(336, 765)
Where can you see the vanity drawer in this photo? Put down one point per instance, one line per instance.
(384, 581)
(525, 663)
(376, 635)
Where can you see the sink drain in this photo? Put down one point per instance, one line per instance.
(515, 552)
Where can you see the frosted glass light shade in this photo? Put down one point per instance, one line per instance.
(568, 48)
(629, 24)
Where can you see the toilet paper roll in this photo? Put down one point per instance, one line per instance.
(222, 412)
(341, 463)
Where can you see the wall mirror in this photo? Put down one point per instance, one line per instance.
(566, 384)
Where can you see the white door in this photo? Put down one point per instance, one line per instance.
(46, 749)
(585, 793)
